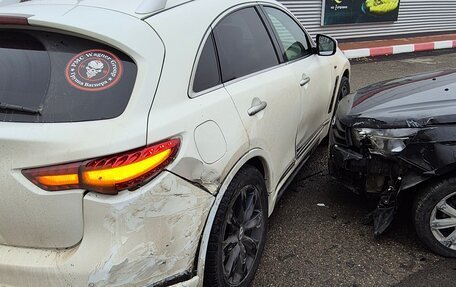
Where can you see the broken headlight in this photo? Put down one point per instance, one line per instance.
(385, 142)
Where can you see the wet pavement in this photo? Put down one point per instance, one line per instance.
(314, 245)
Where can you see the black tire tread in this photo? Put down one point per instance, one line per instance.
(343, 81)
(428, 196)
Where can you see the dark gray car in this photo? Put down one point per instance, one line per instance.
(399, 136)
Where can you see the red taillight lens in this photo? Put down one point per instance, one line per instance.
(107, 175)
(53, 178)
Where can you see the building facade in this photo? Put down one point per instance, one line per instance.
(415, 17)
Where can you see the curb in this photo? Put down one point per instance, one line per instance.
(399, 49)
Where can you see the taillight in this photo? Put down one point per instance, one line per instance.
(107, 175)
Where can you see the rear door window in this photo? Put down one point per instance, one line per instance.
(243, 44)
(50, 78)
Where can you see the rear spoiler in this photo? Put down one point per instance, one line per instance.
(9, 2)
(14, 19)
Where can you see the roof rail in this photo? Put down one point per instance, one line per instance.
(150, 6)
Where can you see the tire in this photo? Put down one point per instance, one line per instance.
(437, 201)
(229, 238)
(344, 89)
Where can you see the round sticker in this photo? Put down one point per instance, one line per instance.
(94, 70)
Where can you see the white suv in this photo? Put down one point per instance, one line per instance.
(147, 142)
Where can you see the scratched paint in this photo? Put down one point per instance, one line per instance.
(133, 239)
(169, 219)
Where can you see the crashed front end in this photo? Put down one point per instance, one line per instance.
(379, 163)
(392, 136)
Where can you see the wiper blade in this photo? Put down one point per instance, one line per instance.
(17, 108)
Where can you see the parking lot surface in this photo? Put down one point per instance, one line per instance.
(316, 234)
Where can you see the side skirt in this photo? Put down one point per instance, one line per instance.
(303, 158)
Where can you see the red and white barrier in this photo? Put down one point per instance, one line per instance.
(399, 49)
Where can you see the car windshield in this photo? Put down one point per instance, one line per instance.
(50, 77)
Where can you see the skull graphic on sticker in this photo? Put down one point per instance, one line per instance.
(94, 70)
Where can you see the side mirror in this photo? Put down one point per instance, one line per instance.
(326, 46)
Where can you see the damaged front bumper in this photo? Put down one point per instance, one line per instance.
(369, 174)
(348, 167)
(363, 173)
(362, 166)
(148, 237)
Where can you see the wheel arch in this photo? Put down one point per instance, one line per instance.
(257, 158)
(346, 73)
(261, 164)
(410, 193)
(421, 181)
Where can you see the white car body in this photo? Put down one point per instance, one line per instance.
(158, 232)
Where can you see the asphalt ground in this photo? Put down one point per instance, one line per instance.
(311, 245)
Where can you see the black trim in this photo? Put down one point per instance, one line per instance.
(289, 168)
(280, 51)
(313, 143)
(300, 150)
(295, 172)
(219, 66)
(335, 94)
(175, 279)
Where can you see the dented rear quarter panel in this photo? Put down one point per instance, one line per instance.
(134, 239)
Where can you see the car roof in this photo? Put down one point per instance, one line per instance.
(124, 6)
(136, 8)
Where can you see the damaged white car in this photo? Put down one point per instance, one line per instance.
(145, 143)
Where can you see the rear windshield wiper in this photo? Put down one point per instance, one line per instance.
(17, 108)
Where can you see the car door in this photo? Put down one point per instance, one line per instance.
(262, 88)
(313, 74)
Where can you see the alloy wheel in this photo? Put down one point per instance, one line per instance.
(244, 228)
(443, 221)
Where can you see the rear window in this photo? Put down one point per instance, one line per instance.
(49, 78)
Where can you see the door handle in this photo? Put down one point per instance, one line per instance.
(305, 80)
(255, 109)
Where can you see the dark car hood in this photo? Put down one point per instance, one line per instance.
(415, 101)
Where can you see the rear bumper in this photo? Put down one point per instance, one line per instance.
(136, 238)
(194, 282)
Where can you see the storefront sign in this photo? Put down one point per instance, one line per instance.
(359, 11)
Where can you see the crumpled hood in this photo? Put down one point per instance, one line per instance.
(415, 101)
